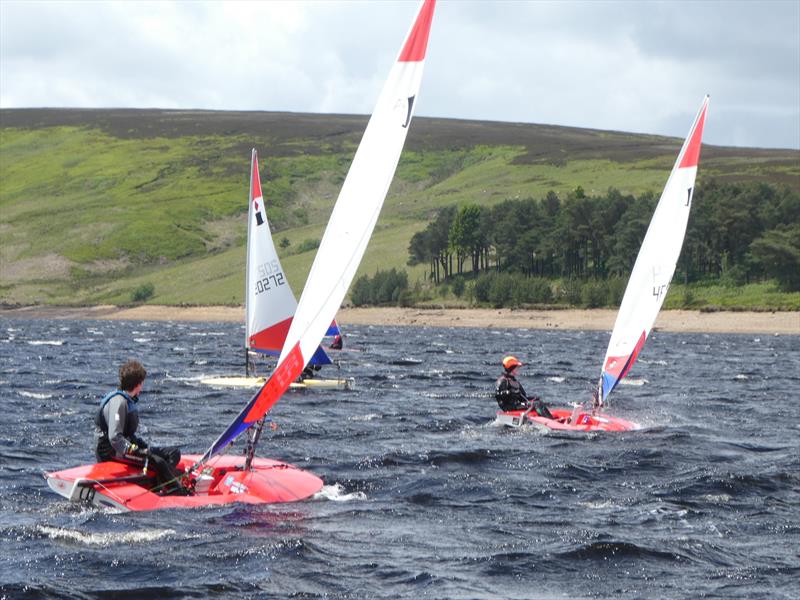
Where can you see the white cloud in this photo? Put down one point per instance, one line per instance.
(609, 65)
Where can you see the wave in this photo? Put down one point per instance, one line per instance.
(336, 493)
(367, 417)
(104, 539)
(46, 342)
(38, 396)
(604, 551)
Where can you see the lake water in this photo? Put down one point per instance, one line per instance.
(424, 496)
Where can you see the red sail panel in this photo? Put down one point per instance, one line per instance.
(277, 384)
(271, 338)
(417, 42)
(691, 158)
(255, 178)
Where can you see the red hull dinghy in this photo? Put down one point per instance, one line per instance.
(221, 480)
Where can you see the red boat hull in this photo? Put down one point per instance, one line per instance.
(222, 481)
(565, 420)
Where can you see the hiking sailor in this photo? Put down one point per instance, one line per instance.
(510, 394)
(117, 421)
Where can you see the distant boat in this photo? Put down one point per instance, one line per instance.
(644, 295)
(269, 301)
(249, 479)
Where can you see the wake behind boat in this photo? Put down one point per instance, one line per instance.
(644, 295)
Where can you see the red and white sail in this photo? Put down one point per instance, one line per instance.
(350, 226)
(655, 264)
(269, 301)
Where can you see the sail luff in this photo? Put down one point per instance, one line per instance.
(250, 216)
(350, 226)
(655, 264)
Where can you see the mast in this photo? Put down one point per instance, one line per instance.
(247, 304)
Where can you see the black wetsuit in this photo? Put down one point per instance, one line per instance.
(510, 395)
(120, 442)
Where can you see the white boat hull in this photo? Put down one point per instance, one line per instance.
(256, 382)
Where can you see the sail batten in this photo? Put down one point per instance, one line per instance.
(350, 226)
(655, 264)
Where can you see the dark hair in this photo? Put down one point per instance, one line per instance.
(131, 374)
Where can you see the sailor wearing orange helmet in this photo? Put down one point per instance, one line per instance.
(510, 394)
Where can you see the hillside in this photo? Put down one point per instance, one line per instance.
(94, 203)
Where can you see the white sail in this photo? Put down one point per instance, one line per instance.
(655, 264)
(350, 226)
(269, 301)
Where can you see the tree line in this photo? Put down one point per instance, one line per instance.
(738, 232)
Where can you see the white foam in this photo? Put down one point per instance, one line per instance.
(142, 340)
(633, 381)
(555, 379)
(46, 342)
(717, 498)
(336, 493)
(741, 377)
(368, 417)
(34, 395)
(105, 539)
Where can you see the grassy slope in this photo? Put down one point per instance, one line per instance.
(95, 203)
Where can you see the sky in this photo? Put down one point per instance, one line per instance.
(628, 66)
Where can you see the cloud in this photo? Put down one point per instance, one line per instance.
(609, 65)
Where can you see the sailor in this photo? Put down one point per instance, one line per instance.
(510, 394)
(117, 421)
(337, 343)
(308, 372)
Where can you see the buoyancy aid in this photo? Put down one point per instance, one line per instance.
(509, 393)
(104, 448)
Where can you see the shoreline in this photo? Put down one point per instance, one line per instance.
(679, 321)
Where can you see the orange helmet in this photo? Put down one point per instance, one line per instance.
(509, 362)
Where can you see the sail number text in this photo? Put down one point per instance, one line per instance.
(660, 290)
(270, 276)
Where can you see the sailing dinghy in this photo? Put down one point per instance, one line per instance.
(220, 479)
(644, 295)
(269, 301)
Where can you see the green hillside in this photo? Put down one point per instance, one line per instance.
(96, 203)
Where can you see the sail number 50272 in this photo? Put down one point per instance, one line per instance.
(270, 276)
(269, 282)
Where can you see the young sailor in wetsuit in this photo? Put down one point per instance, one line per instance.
(510, 394)
(117, 421)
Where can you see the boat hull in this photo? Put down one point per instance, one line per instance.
(565, 420)
(257, 382)
(222, 481)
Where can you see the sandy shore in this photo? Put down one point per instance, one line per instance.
(600, 319)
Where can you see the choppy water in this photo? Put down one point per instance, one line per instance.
(424, 497)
